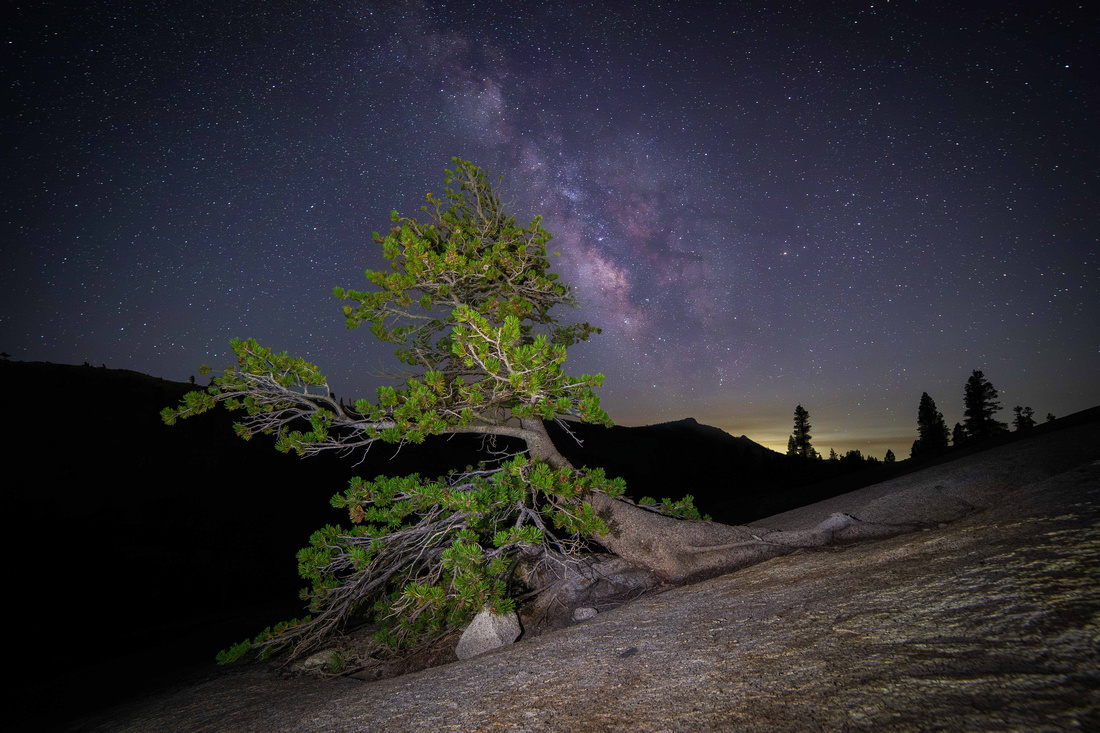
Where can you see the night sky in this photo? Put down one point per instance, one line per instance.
(838, 205)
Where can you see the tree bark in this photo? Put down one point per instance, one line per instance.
(673, 549)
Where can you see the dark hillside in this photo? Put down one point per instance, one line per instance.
(725, 474)
(734, 480)
(153, 542)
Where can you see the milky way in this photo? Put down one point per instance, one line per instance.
(761, 205)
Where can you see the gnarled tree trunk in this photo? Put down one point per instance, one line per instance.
(680, 551)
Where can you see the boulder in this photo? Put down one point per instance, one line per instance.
(583, 614)
(320, 659)
(486, 632)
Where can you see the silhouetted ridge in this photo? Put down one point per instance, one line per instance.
(691, 425)
(675, 423)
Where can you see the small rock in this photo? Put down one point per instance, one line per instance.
(486, 632)
(320, 659)
(583, 614)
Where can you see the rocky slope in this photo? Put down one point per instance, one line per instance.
(988, 618)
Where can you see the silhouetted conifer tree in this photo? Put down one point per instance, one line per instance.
(1025, 418)
(958, 436)
(799, 442)
(931, 430)
(980, 401)
(890, 458)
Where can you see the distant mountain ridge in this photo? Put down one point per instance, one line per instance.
(690, 423)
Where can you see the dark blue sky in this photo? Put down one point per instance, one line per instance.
(763, 205)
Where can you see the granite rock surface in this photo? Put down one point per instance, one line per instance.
(988, 618)
(486, 632)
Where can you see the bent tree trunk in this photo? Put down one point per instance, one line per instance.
(681, 551)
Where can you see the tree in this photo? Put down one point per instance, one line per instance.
(980, 402)
(1025, 418)
(1050, 417)
(958, 436)
(932, 431)
(889, 457)
(469, 304)
(853, 456)
(799, 442)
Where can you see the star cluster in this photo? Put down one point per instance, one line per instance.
(762, 205)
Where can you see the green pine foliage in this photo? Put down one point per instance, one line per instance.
(234, 653)
(682, 509)
(430, 554)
